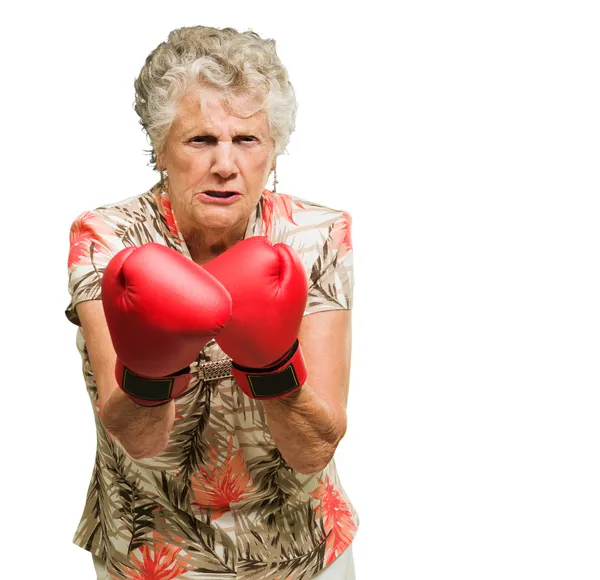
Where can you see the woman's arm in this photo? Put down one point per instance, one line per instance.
(308, 424)
(143, 431)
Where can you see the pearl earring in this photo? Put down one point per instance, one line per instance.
(163, 180)
(275, 181)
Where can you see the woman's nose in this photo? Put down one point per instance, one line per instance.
(224, 159)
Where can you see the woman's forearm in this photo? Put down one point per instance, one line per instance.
(142, 431)
(305, 429)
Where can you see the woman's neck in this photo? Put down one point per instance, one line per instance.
(205, 245)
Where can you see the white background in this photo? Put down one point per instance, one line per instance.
(464, 138)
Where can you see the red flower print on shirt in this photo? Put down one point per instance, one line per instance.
(158, 561)
(164, 205)
(219, 483)
(280, 203)
(337, 519)
(87, 228)
(340, 235)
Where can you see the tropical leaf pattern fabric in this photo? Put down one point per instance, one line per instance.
(220, 501)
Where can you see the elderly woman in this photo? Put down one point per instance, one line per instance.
(215, 333)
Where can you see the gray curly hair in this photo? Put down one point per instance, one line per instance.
(237, 64)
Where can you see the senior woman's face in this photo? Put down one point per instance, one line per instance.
(209, 150)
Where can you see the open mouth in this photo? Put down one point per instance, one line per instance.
(220, 193)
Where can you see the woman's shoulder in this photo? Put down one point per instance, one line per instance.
(287, 215)
(133, 220)
(134, 207)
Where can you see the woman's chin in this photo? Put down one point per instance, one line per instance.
(217, 220)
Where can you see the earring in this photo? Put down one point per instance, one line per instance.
(163, 179)
(275, 182)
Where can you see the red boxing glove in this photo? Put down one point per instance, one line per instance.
(269, 289)
(161, 309)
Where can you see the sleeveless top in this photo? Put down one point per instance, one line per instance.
(220, 501)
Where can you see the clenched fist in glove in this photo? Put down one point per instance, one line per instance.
(269, 289)
(161, 309)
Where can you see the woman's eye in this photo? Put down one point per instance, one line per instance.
(207, 139)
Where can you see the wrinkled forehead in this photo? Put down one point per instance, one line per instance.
(210, 109)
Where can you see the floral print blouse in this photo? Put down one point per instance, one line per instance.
(220, 501)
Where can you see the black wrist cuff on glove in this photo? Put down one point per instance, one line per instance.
(154, 391)
(276, 380)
